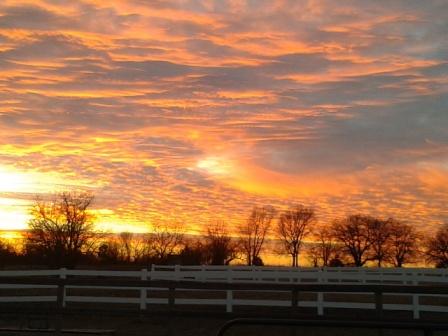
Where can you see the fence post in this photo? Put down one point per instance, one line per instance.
(415, 302)
(152, 272)
(63, 275)
(229, 293)
(379, 304)
(177, 272)
(363, 274)
(203, 273)
(320, 295)
(294, 300)
(415, 306)
(171, 298)
(229, 299)
(60, 303)
(143, 293)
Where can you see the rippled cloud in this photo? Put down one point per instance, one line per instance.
(197, 110)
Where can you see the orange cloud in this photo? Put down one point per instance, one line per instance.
(192, 111)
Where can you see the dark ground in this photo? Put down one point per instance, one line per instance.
(186, 324)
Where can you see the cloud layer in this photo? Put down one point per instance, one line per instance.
(197, 110)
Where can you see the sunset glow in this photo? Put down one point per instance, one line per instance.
(11, 181)
(193, 111)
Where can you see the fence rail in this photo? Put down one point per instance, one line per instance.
(410, 289)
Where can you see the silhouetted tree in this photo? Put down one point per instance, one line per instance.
(109, 253)
(355, 235)
(336, 261)
(253, 232)
(437, 248)
(193, 254)
(126, 240)
(258, 261)
(131, 247)
(313, 255)
(219, 245)
(403, 242)
(61, 229)
(8, 254)
(324, 248)
(164, 240)
(293, 225)
(380, 233)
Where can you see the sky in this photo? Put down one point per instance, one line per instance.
(194, 111)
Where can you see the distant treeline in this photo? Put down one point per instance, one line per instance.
(62, 233)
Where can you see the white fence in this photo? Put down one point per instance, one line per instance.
(415, 303)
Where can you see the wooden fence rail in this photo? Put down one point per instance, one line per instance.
(414, 290)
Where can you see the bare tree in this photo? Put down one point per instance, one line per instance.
(354, 234)
(253, 233)
(193, 253)
(313, 255)
(324, 249)
(402, 243)
(220, 247)
(380, 233)
(125, 247)
(293, 225)
(164, 240)
(437, 247)
(7, 252)
(61, 229)
(109, 252)
(126, 244)
(140, 249)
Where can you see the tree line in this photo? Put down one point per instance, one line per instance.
(62, 233)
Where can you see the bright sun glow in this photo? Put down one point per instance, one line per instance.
(13, 219)
(14, 211)
(10, 235)
(215, 165)
(11, 181)
(117, 226)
